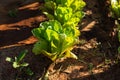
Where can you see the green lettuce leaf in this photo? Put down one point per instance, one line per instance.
(77, 5)
(63, 14)
(55, 40)
(40, 46)
(115, 8)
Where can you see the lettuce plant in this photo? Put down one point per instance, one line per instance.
(115, 10)
(64, 10)
(54, 40)
(57, 37)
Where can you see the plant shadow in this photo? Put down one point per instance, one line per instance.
(112, 74)
(9, 37)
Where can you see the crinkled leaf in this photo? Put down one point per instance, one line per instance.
(51, 35)
(71, 31)
(38, 32)
(75, 19)
(52, 24)
(78, 14)
(52, 30)
(77, 5)
(63, 14)
(115, 8)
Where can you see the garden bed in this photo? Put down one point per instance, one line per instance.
(96, 53)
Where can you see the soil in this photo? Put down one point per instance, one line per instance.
(98, 58)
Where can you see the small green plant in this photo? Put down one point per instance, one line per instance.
(13, 13)
(19, 64)
(17, 61)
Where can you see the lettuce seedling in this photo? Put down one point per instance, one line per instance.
(18, 61)
(54, 40)
(115, 8)
(19, 64)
